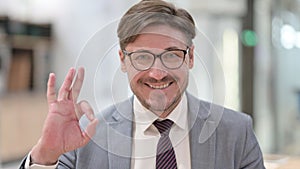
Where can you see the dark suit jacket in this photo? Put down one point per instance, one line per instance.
(219, 138)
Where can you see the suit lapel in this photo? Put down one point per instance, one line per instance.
(203, 121)
(119, 135)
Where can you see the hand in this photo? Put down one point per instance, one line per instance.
(62, 132)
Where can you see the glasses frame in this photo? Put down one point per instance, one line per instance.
(185, 52)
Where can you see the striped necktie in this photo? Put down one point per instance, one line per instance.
(165, 155)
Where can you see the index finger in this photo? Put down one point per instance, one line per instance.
(51, 94)
(77, 84)
(65, 88)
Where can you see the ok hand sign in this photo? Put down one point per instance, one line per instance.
(62, 132)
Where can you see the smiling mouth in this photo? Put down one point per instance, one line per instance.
(162, 86)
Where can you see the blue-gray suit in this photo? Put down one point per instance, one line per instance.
(219, 138)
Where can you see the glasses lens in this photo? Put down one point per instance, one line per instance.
(142, 60)
(173, 59)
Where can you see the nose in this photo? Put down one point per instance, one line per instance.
(157, 71)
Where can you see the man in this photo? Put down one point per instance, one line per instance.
(162, 125)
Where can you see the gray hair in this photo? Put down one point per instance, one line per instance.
(154, 12)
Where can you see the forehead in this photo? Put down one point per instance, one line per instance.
(159, 37)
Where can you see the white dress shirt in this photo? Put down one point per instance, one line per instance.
(146, 136)
(37, 166)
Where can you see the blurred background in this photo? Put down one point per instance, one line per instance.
(257, 44)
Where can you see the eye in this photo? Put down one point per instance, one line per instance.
(142, 56)
(170, 55)
(173, 55)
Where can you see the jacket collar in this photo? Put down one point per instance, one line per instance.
(119, 135)
(203, 119)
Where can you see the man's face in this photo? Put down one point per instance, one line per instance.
(159, 89)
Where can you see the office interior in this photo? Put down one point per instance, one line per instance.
(247, 57)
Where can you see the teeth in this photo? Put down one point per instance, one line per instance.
(160, 86)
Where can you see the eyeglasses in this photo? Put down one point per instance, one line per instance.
(144, 60)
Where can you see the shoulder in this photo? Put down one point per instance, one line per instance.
(224, 119)
(234, 125)
(206, 109)
(116, 111)
(229, 131)
(235, 121)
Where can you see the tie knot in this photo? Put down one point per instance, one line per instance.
(163, 126)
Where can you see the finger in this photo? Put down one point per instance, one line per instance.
(90, 130)
(51, 94)
(64, 90)
(85, 108)
(77, 84)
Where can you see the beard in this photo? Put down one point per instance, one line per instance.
(160, 101)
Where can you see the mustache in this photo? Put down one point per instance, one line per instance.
(164, 79)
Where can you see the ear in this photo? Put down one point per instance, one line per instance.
(191, 56)
(122, 61)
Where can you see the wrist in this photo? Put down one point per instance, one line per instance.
(43, 156)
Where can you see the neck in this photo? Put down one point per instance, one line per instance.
(166, 112)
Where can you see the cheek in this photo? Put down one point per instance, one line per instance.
(182, 73)
(131, 72)
(182, 79)
(134, 77)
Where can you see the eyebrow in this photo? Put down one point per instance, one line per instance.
(166, 49)
(171, 48)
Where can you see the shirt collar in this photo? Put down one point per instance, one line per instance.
(144, 117)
